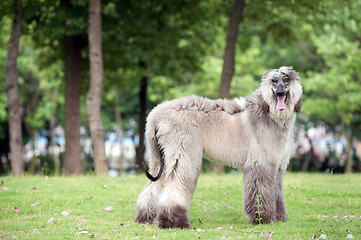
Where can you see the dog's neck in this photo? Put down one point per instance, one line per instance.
(285, 118)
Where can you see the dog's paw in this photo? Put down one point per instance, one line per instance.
(175, 217)
(144, 217)
(282, 218)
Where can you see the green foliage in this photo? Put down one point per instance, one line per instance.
(5, 24)
(179, 46)
(313, 206)
(258, 206)
(39, 87)
(335, 92)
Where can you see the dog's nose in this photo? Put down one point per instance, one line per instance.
(280, 91)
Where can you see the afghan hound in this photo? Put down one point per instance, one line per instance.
(255, 132)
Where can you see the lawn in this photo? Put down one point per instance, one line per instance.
(318, 205)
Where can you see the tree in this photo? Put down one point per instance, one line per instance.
(73, 61)
(74, 43)
(14, 105)
(229, 53)
(229, 57)
(335, 92)
(175, 39)
(142, 117)
(96, 86)
(59, 28)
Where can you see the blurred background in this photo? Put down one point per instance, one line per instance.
(156, 50)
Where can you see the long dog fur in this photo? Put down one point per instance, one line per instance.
(254, 132)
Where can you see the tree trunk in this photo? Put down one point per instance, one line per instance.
(142, 117)
(33, 161)
(72, 159)
(309, 157)
(228, 63)
(118, 117)
(349, 138)
(15, 107)
(229, 53)
(54, 153)
(94, 98)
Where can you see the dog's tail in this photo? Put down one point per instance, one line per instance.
(161, 159)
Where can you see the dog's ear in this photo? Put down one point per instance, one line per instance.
(264, 105)
(265, 74)
(298, 105)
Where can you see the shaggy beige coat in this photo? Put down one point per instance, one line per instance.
(254, 132)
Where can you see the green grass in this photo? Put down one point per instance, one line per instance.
(316, 204)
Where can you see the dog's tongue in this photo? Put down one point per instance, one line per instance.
(281, 103)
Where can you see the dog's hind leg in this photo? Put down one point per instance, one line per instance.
(147, 203)
(183, 164)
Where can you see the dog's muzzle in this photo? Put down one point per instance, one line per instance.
(281, 98)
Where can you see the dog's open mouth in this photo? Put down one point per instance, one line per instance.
(281, 102)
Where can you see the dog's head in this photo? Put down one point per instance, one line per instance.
(281, 90)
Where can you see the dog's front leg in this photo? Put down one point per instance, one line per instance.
(280, 210)
(259, 197)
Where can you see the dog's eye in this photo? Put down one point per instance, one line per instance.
(286, 79)
(274, 80)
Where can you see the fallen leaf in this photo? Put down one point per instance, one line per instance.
(219, 228)
(200, 230)
(226, 237)
(34, 189)
(16, 209)
(2, 182)
(108, 209)
(200, 220)
(5, 237)
(339, 206)
(233, 228)
(288, 236)
(33, 205)
(105, 186)
(82, 232)
(65, 213)
(228, 207)
(5, 188)
(266, 235)
(349, 236)
(88, 198)
(322, 236)
(51, 220)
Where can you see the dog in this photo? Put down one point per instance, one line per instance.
(255, 132)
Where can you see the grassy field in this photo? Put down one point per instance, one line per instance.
(318, 205)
